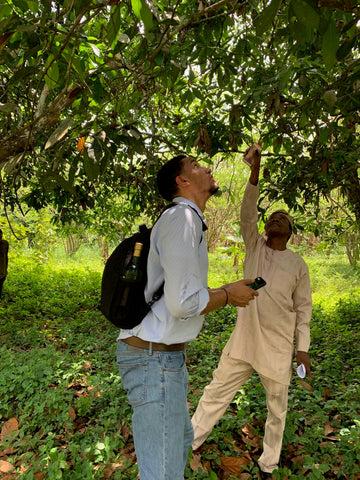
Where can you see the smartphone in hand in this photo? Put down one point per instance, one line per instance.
(259, 282)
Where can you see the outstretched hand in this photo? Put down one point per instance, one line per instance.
(239, 294)
(252, 154)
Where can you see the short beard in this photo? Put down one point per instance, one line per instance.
(214, 189)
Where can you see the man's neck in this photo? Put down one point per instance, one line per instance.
(276, 243)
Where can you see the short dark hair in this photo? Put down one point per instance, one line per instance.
(166, 177)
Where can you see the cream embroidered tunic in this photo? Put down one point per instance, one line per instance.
(265, 330)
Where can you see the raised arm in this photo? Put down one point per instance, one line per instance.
(249, 213)
(254, 154)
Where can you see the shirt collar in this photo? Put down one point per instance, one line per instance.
(190, 203)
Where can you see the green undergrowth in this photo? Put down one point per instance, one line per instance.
(67, 411)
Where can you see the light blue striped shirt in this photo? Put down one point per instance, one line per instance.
(178, 255)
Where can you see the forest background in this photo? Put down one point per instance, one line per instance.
(94, 96)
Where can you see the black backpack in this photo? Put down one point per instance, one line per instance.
(113, 285)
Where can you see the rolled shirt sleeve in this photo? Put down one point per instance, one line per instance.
(178, 242)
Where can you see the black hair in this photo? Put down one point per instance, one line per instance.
(166, 177)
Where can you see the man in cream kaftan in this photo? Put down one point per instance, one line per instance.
(263, 337)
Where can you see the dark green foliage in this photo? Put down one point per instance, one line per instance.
(137, 83)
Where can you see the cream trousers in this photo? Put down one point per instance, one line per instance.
(227, 379)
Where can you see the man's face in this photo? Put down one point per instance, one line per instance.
(278, 224)
(200, 177)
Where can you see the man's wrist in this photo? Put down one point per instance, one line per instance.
(227, 295)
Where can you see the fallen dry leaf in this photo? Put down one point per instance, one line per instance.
(72, 414)
(125, 431)
(249, 430)
(39, 476)
(306, 385)
(326, 393)
(234, 464)
(328, 428)
(253, 442)
(6, 467)
(298, 459)
(8, 428)
(196, 464)
(7, 451)
(110, 469)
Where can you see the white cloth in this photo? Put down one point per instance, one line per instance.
(264, 331)
(178, 255)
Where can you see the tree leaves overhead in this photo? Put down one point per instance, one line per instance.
(143, 80)
(59, 132)
(330, 44)
(142, 12)
(306, 13)
(264, 21)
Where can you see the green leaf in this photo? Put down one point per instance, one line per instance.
(80, 5)
(305, 13)
(330, 44)
(52, 179)
(264, 21)
(21, 4)
(68, 4)
(220, 78)
(78, 67)
(96, 50)
(34, 6)
(91, 168)
(59, 133)
(8, 107)
(303, 121)
(52, 74)
(142, 12)
(187, 98)
(323, 135)
(136, 6)
(98, 150)
(254, 3)
(114, 25)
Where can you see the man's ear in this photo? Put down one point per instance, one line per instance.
(181, 181)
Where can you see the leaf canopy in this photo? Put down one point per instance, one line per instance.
(142, 80)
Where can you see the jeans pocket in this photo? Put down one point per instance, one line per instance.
(173, 362)
(133, 376)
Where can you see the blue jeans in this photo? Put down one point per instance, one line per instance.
(156, 384)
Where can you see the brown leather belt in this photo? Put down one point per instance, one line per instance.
(162, 347)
